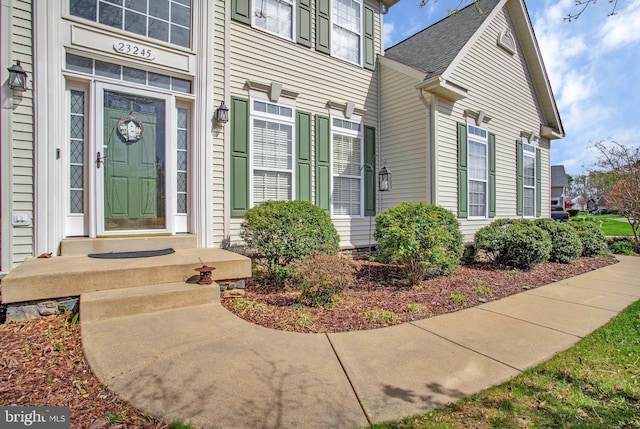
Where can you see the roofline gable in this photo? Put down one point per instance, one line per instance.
(533, 58)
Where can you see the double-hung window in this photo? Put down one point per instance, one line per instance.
(346, 18)
(274, 16)
(478, 171)
(165, 20)
(272, 128)
(347, 159)
(529, 179)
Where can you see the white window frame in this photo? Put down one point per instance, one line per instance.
(360, 32)
(280, 119)
(528, 151)
(484, 140)
(254, 19)
(360, 176)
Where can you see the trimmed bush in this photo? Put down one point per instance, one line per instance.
(425, 239)
(490, 238)
(593, 240)
(321, 278)
(566, 246)
(573, 212)
(621, 248)
(514, 242)
(283, 231)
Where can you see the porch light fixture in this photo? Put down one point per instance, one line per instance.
(17, 77)
(384, 179)
(222, 113)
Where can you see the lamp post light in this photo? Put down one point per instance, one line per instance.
(384, 179)
(17, 77)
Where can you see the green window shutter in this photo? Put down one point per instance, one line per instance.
(369, 47)
(492, 175)
(239, 113)
(463, 209)
(538, 183)
(323, 26)
(519, 179)
(303, 166)
(323, 162)
(241, 10)
(369, 171)
(303, 22)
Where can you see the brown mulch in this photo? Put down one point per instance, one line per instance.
(384, 289)
(42, 363)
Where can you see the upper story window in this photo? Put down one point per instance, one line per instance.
(346, 18)
(165, 20)
(529, 179)
(478, 171)
(347, 158)
(274, 16)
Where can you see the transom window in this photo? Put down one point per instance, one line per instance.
(478, 171)
(128, 74)
(272, 151)
(274, 16)
(165, 20)
(529, 179)
(347, 30)
(347, 158)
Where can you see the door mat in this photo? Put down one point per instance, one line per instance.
(138, 254)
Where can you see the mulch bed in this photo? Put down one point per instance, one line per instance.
(380, 288)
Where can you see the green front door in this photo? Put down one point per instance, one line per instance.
(134, 163)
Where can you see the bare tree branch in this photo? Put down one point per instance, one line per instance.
(583, 5)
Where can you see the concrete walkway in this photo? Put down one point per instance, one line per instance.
(204, 366)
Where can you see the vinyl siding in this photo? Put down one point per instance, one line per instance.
(19, 148)
(403, 139)
(318, 78)
(500, 85)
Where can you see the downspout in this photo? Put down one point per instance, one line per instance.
(429, 100)
(383, 11)
(226, 96)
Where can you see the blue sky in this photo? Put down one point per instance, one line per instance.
(593, 64)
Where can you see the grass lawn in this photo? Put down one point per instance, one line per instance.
(610, 226)
(595, 384)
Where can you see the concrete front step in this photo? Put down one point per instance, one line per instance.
(62, 276)
(106, 304)
(86, 246)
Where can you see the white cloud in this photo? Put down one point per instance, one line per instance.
(621, 29)
(388, 29)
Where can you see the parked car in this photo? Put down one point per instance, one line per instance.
(559, 214)
(599, 211)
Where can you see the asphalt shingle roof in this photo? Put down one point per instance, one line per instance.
(434, 48)
(558, 176)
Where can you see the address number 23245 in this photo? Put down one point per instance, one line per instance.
(134, 50)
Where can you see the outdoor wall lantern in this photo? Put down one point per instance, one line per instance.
(384, 179)
(17, 77)
(222, 114)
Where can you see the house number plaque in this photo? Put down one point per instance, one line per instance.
(134, 50)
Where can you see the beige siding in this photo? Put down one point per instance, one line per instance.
(258, 56)
(499, 84)
(403, 140)
(19, 148)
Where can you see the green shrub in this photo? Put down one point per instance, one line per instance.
(283, 231)
(490, 238)
(566, 246)
(621, 248)
(593, 240)
(515, 242)
(423, 238)
(321, 278)
(573, 212)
